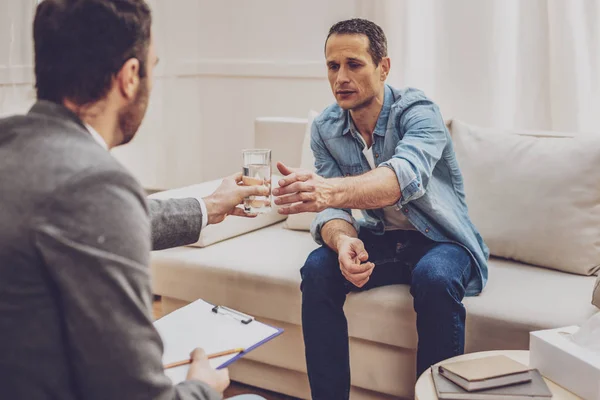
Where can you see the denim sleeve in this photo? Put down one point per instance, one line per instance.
(419, 150)
(327, 167)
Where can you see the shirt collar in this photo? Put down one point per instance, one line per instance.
(96, 136)
(382, 120)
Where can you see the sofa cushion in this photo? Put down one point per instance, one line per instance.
(232, 226)
(258, 273)
(533, 196)
(521, 298)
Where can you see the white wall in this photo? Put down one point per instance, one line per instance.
(222, 64)
(509, 63)
(16, 56)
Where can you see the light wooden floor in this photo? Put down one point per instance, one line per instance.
(235, 388)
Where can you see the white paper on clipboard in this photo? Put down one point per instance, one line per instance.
(196, 325)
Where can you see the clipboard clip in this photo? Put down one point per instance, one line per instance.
(243, 318)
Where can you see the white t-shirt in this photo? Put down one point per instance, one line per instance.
(393, 217)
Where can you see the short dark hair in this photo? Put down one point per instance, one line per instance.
(81, 44)
(359, 26)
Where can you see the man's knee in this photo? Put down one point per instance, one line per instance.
(321, 268)
(444, 271)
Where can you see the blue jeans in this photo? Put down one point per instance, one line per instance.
(438, 274)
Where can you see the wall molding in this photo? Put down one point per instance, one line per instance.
(248, 68)
(224, 68)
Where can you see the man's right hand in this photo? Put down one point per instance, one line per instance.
(228, 196)
(200, 370)
(353, 260)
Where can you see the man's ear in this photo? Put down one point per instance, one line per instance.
(385, 65)
(128, 78)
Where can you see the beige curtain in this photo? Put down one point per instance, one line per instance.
(531, 64)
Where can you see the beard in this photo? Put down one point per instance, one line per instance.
(130, 118)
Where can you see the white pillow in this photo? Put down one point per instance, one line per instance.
(232, 226)
(534, 196)
(302, 222)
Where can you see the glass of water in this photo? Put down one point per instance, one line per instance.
(257, 171)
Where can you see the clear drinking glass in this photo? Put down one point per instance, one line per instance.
(257, 171)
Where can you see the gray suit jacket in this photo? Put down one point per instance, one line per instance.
(175, 222)
(75, 241)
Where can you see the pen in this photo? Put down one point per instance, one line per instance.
(210, 356)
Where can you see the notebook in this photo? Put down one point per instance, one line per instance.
(536, 389)
(486, 372)
(215, 329)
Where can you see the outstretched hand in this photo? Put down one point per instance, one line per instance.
(227, 198)
(302, 191)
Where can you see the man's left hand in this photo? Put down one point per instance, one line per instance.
(302, 191)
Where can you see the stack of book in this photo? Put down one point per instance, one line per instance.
(489, 378)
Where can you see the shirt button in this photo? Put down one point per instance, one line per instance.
(426, 230)
(376, 155)
(406, 210)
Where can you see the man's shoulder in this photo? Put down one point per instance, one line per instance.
(88, 162)
(331, 120)
(49, 153)
(406, 97)
(331, 113)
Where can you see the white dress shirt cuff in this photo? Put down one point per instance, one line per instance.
(204, 212)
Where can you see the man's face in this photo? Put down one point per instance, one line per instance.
(131, 116)
(355, 80)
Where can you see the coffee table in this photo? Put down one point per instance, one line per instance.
(425, 390)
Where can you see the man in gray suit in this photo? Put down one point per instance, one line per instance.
(75, 232)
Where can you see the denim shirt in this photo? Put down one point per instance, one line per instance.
(411, 139)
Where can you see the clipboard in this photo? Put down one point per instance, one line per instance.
(215, 329)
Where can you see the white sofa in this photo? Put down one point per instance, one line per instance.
(258, 273)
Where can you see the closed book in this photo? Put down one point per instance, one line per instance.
(535, 389)
(486, 372)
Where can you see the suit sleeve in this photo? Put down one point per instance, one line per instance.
(175, 222)
(93, 236)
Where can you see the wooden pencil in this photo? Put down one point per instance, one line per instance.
(210, 356)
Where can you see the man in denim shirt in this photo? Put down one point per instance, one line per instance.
(388, 153)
